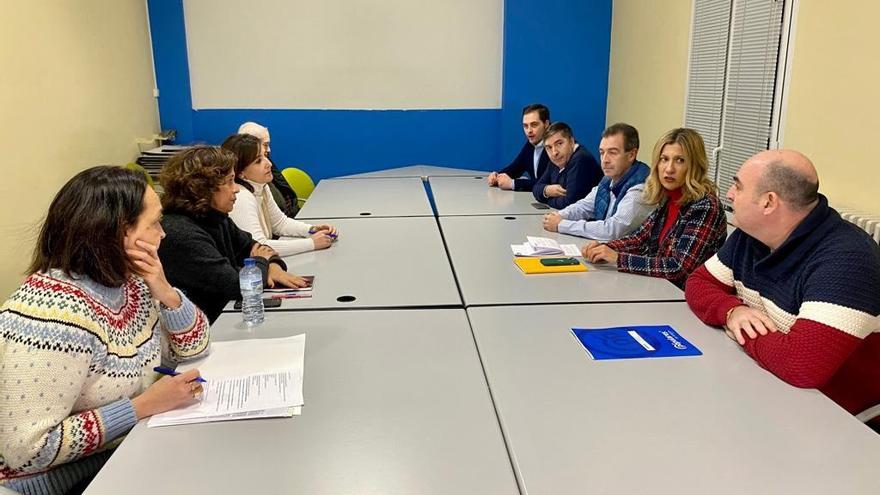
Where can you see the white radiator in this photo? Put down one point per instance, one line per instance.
(868, 222)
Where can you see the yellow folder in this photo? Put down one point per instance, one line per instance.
(533, 265)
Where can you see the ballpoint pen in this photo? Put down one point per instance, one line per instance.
(170, 372)
(290, 296)
(313, 231)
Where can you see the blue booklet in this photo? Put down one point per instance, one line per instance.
(634, 342)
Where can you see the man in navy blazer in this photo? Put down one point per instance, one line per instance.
(532, 160)
(575, 171)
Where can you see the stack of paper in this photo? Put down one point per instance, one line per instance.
(153, 160)
(245, 379)
(542, 246)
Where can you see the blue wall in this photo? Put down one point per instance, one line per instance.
(567, 40)
(168, 34)
(556, 53)
(329, 143)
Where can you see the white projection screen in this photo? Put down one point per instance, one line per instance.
(345, 54)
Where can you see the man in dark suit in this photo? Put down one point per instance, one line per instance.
(574, 171)
(532, 160)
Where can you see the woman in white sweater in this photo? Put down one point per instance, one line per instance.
(257, 213)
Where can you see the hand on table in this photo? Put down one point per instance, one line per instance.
(492, 179)
(598, 253)
(327, 229)
(262, 251)
(322, 240)
(551, 221)
(504, 182)
(749, 320)
(167, 393)
(279, 277)
(554, 191)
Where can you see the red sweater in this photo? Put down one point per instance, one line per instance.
(673, 208)
(820, 288)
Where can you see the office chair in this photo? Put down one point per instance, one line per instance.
(301, 183)
(869, 414)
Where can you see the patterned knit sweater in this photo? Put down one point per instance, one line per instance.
(820, 288)
(72, 355)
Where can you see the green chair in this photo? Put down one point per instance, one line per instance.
(301, 183)
(138, 168)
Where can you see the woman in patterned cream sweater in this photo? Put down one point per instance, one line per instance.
(80, 337)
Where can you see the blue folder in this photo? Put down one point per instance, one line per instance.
(634, 342)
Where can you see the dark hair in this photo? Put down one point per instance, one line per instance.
(558, 127)
(630, 135)
(794, 188)
(85, 226)
(191, 177)
(246, 149)
(543, 112)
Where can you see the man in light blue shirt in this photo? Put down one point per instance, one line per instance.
(615, 207)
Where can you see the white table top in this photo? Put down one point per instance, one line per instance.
(716, 423)
(382, 262)
(395, 403)
(472, 196)
(479, 247)
(422, 171)
(381, 197)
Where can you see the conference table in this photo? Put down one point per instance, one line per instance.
(479, 247)
(716, 423)
(472, 196)
(420, 171)
(448, 370)
(376, 263)
(379, 197)
(395, 403)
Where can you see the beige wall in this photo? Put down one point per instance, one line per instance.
(833, 109)
(76, 90)
(648, 70)
(833, 112)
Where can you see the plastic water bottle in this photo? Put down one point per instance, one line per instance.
(251, 282)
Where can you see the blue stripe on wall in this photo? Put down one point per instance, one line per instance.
(555, 52)
(330, 143)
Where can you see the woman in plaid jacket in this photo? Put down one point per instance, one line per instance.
(689, 224)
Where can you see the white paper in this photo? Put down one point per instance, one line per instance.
(544, 248)
(245, 379)
(522, 250)
(281, 412)
(246, 357)
(236, 395)
(252, 393)
(543, 244)
(570, 250)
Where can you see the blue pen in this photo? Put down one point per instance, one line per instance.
(313, 231)
(170, 372)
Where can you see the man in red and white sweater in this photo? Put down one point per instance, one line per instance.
(796, 285)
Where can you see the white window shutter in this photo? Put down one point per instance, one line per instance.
(753, 58)
(708, 63)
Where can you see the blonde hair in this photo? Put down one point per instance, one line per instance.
(696, 181)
